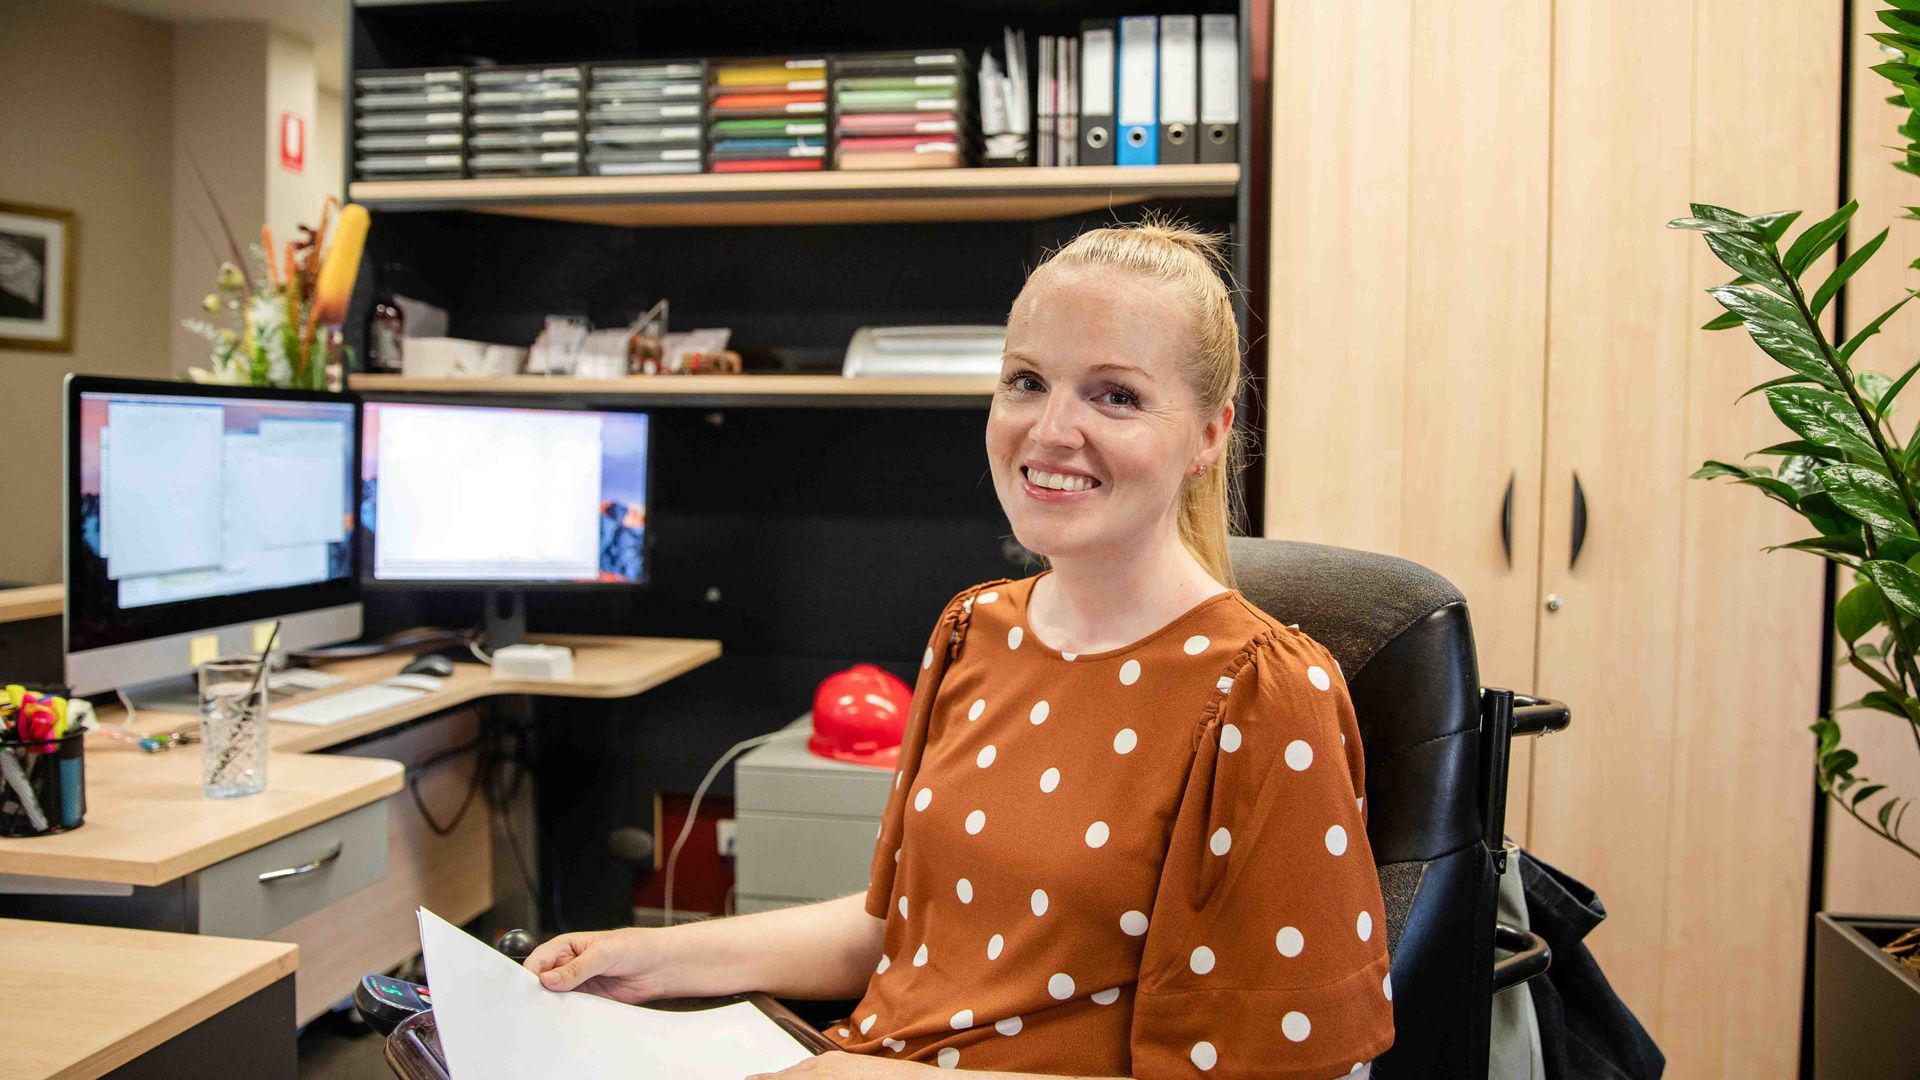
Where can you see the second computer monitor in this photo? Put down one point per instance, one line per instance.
(503, 495)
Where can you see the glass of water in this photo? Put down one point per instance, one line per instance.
(233, 728)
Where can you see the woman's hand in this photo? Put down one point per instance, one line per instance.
(839, 1065)
(620, 964)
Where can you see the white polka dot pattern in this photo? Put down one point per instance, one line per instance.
(867, 1024)
(1069, 657)
(1364, 926)
(920, 957)
(1124, 742)
(1105, 997)
(1049, 780)
(1289, 941)
(1009, 1026)
(1133, 923)
(978, 707)
(1299, 755)
(1204, 1056)
(1221, 841)
(947, 1058)
(845, 1034)
(1201, 961)
(1060, 986)
(903, 907)
(895, 1045)
(986, 756)
(922, 798)
(1386, 986)
(1013, 637)
(1038, 715)
(1229, 737)
(1337, 840)
(987, 597)
(1295, 1026)
(926, 661)
(978, 820)
(1225, 685)
(1129, 673)
(994, 945)
(965, 890)
(1196, 645)
(1317, 675)
(1097, 834)
(881, 968)
(1038, 901)
(962, 1020)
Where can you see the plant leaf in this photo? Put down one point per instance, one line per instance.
(1713, 469)
(1886, 808)
(1868, 792)
(1817, 238)
(1749, 258)
(1882, 701)
(1899, 42)
(1872, 328)
(1900, 74)
(1776, 489)
(1900, 584)
(1872, 499)
(1858, 612)
(1824, 514)
(1777, 327)
(1784, 380)
(1825, 545)
(1883, 404)
(1824, 417)
(1726, 320)
(1854, 261)
(1900, 21)
(1798, 447)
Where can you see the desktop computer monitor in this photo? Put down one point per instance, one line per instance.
(503, 497)
(197, 514)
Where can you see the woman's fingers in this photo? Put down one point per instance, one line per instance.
(551, 953)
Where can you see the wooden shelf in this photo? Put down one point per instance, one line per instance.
(822, 198)
(703, 390)
(31, 602)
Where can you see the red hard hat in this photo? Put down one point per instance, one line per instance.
(859, 716)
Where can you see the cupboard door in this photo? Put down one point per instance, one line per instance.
(1409, 251)
(1689, 656)
(1863, 872)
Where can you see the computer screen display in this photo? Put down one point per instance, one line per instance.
(503, 494)
(194, 507)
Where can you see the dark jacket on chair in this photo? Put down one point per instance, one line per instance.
(1586, 1031)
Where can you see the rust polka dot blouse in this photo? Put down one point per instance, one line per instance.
(1149, 862)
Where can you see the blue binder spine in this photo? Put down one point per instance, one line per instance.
(1138, 114)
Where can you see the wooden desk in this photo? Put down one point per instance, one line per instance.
(119, 994)
(31, 602)
(603, 667)
(148, 824)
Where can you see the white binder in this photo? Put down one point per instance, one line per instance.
(1179, 89)
(1139, 90)
(1219, 135)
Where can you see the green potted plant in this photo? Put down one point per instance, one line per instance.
(1848, 473)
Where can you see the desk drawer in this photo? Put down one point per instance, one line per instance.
(271, 886)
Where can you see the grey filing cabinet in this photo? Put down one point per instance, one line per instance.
(806, 824)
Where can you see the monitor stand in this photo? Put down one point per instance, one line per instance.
(506, 617)
(180, 694)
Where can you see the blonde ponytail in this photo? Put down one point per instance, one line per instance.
(1191, 264)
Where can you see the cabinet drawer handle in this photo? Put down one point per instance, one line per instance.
(1506, 519)
(332, 855)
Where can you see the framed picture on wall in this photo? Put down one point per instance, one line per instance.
(36, 277)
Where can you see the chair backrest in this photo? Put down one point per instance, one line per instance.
(1405, 645)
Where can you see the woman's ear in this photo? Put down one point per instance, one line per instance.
(1213, 438)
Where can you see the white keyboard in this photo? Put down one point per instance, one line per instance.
(297, 680)
(345, 705)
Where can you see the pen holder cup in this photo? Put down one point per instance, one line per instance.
(43, 786)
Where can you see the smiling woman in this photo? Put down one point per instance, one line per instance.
(1126, 835)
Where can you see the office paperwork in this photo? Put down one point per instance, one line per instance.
(347, 704)
(496, 1020)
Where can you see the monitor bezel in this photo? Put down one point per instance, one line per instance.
(206, 613)
(371, 583)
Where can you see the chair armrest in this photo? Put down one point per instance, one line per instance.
(1531, 956)
(1539, 716)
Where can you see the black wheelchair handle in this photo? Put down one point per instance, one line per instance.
(1538, 715)
(1531, 956)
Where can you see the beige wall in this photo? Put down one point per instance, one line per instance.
(97, 146)
(219, 102)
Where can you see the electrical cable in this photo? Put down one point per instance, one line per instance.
(473, 788)
(693, 810)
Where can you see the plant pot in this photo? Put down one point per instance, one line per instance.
(1866, 1006)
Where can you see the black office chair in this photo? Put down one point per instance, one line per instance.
(1437, 746)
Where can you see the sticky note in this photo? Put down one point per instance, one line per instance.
(202, 649)
(262, 633)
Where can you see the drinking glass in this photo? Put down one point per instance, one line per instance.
(233, 728)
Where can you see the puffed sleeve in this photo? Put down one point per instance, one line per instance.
(1266, 953)
(942, 647)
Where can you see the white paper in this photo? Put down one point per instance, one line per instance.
(496, 1020)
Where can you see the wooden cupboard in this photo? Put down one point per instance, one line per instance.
(1478, 320)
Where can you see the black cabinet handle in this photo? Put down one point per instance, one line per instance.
(1579, 521)
(1506, 520)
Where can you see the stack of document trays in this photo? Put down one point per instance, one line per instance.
(409, 124)
(524, 121)
(903, 110)
(645, 118)
(751, 106)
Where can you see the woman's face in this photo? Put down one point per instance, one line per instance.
(1093, 429)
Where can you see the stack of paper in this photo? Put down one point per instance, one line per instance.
(645, 118)
(903, 110)
(495, 1020)
(792, 91)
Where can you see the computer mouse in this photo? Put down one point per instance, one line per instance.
(428, 664)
